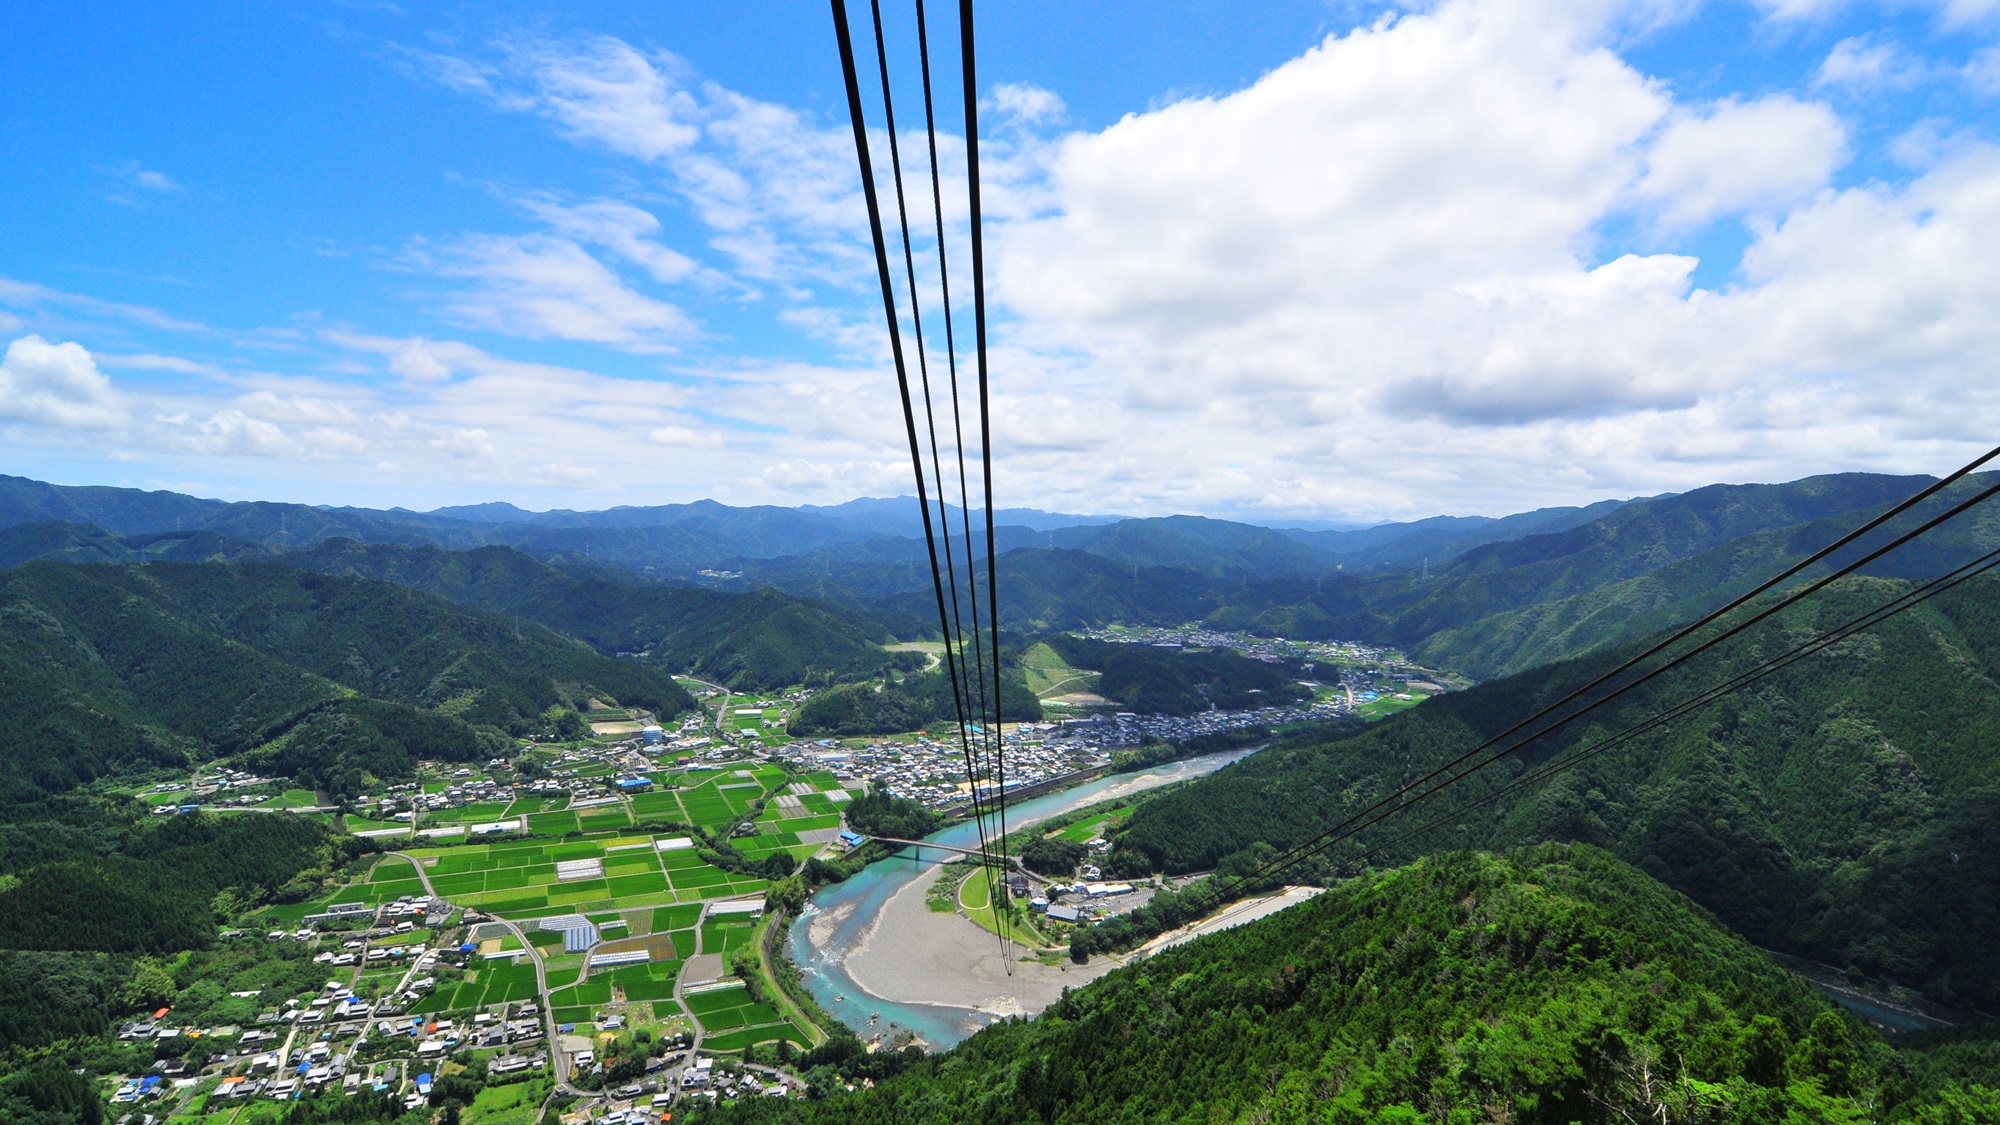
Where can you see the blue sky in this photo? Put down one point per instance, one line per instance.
(1284, 259)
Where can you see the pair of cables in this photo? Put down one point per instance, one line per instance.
(971, 656)
(1907, 600)
(1552, 717)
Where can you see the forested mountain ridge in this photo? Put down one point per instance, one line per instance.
(1501, 593)
(165, 664)
(759, 640)
(1552, 984)
(1637, 539)
(1843, 809)
(388, 642)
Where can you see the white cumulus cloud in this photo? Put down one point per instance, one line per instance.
(1742, 155)
(56, 385)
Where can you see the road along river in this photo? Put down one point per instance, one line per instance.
(875, 955)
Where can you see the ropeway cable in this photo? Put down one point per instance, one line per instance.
(923, 371)
(954, 631)
(951, 347)
(970, 72)
(989, 745)
(856, 114)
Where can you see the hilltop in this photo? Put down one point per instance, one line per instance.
(1550, 984)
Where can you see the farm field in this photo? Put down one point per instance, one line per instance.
(492, 982)
(516, 1103)
(732, 1021)
(363, 824)
(799, 818)
(526, 805)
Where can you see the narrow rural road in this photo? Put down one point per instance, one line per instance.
(557, 1057)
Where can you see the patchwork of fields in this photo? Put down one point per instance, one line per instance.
(523, 880)
(646, 892)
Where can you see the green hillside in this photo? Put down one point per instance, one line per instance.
(83, 543)
(1842, 809)
(1553, 984)
(1175, 682)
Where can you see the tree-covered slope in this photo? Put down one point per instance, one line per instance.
(1553, 984)
(153, 887)
(1843, 809)
(920, 701)
(94, 679)
(1179, 682)
(389, 642)
(1634, 541)
(105, 668)
(1557, 626)
(1439, 539)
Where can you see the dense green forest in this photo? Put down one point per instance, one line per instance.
(161, 888)
(1842, 809)
(1552, 984)
(918, 701)
(754, 640)
(106, 668)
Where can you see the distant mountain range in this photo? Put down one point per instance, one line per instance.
(1483, 596)
(682, 540)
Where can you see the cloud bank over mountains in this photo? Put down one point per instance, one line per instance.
(1444, 261)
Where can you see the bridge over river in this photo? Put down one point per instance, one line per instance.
(916, 845)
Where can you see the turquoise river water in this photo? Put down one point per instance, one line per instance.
(940, 1025)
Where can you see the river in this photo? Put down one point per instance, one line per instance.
(938, 975)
